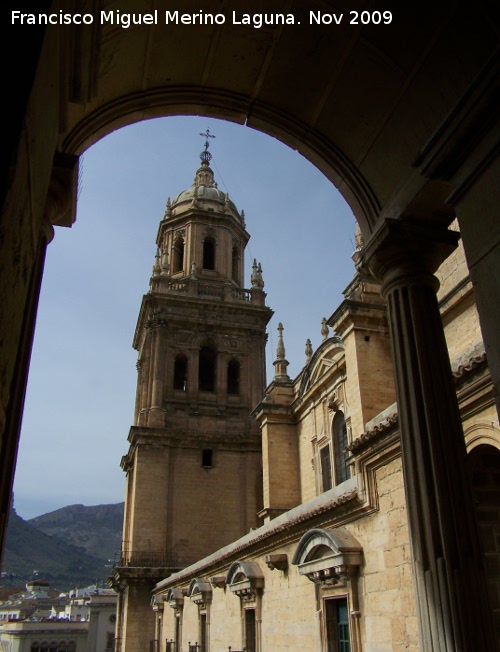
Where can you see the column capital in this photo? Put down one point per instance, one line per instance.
(401, 248)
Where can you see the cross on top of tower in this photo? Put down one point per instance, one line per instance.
(206, 156)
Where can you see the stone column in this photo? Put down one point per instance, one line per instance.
(452, 603)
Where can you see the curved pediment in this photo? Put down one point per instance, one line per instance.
(248, 570)
(175, 598)
(200, 590)
(326, 355)
(245, 578)
(328, 554)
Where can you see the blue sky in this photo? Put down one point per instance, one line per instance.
(81, 389)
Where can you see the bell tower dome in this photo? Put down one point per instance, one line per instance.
(202, 234)
(194, 463)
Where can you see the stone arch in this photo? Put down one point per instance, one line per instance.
(326, 156)
(481, 434)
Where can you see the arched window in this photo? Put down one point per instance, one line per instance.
(180, 372)
(206, 369)
(339, 443)
(233, 377)
(209, 253)
(235, 265)
(178, 255)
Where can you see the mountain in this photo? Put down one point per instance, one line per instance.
(30, 553)
(97, 529)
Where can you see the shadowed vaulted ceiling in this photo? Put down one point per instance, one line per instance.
(343, 95)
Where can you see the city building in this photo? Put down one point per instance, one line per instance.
(35, 621)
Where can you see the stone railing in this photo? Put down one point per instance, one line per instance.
(210, 290)
(146, 559)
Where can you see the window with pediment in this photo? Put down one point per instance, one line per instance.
(175, 600)
(200, 593)
(331, 559)
(246, 580)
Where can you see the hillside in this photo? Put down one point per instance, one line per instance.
(31, 553)
(96, 529)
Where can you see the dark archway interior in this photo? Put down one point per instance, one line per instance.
(484, 466)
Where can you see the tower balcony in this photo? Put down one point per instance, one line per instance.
(145, 559)
(216, 291)
(142, 566)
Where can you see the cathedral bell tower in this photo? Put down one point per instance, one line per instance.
(194, 462)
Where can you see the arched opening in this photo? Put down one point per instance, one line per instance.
(178, 255)
(235, 264)
(233, 377)
(339, 436)
(207, 368)
(484, 468)
(180, 372)
(209, 253)
(110, 200)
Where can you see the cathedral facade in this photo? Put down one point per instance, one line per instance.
(275, 517)
(330, 569)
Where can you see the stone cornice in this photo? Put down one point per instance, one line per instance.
(173, 438)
